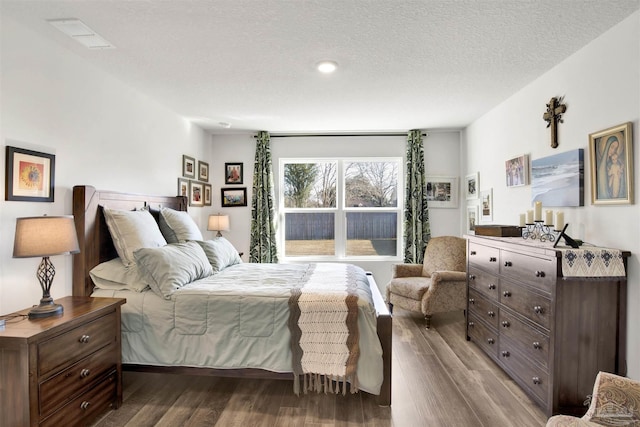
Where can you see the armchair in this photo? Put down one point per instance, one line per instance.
(615, 402)
(437, 285)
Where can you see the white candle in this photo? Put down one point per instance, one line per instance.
(530, 216)
(538, 211)
(548, 217)
(522, 220)
(559, 220)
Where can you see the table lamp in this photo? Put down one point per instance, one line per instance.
(45, 236)
(218, 223)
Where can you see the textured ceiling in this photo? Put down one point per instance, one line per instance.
(402, 64)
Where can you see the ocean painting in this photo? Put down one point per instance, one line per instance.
(558, 180)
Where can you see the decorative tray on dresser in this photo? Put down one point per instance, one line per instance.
(552, 318)
(64, 369)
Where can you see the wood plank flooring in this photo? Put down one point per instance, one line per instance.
(439, 379)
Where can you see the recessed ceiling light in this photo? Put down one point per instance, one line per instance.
(80, 32)
(327, 67)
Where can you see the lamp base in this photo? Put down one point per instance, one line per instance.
(45, 310)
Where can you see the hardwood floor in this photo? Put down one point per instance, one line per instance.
(439, 379)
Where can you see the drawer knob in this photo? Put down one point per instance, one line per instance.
(538, 309)
(505, 324)
(493, 259)
(492, 286)
(471, 324)
(85, 405)
(84, 373)
(506, 294)
(539, 273)
(536, 380)
(491, 340)
(472, 301)
(472, 253)
(491, 313)
(505, 354)
(508, 264)
(472, 277)
(84, 339)
(537, 345)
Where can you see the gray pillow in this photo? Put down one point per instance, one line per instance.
(170, 267)
(178, 226)
(221, 253)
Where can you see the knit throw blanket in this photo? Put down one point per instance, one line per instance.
(323, 321)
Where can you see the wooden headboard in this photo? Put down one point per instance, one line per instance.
(94, 239)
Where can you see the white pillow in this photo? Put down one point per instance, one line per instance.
(221, 253)
(132, 230)
(178, 226)
(172, 266)
(115, 276)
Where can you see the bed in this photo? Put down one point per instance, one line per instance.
(97, 249)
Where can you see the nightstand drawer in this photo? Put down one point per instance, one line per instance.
(77, 343)
(66, 384)
(85, 407)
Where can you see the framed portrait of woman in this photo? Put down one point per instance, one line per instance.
(611, 166)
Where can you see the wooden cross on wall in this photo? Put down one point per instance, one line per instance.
(552, 116)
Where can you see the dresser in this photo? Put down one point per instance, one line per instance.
(61, 370)
(543, 318)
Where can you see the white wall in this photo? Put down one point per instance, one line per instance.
(442, 158)
(601, 86)
(102, 132)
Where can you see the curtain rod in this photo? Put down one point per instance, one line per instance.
(333, 135)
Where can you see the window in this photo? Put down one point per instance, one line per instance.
(338, 208)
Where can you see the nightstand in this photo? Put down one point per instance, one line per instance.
(61, 370)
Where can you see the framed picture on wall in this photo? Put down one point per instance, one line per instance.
(472, 218)
(233, 173)
(486, 205)
(442, 191)
(183, 187)
(207, 194)
(196, 193)
(471, 185)
(517, 171)
(234, 197)
(188, 167)
(203, 171)
(29, 176)
(611, 156)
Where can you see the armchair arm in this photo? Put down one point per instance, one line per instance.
(449, 276)
(407, 270)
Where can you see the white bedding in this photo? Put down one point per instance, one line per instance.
(236, 318)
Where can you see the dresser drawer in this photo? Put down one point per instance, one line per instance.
(527, 340)
(484, 257)
(77, 343)
(537, 272)
(485, 337)
(530, 304)
(64, 385)
(85, 407)
(483, 308)
(483, 282)
(531, 376)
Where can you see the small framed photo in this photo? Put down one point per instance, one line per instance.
(196, 193)
(188, 167)
(486, 205)
(233, 197)
(471, 185)
(442, 191)
(472, 219)
(207, 194)
(203, 171)
(611, 156)
(233, 173)
(517, 171)
(183, 187)
(29, 176)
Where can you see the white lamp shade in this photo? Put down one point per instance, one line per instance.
(218, 223)
(44, 236)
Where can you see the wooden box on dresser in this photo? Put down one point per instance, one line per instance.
(550, 333)
(61, 370)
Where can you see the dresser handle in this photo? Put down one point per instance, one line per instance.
(472, 253)
(505, 354)
(537, 309)
(536, 380)
(537, 345)
(472, 277)
(84, 339)
(508, 264)
(491, 340)
(491, 313)
(493, 259)
(506, 294)
(492, 286)
(505, 324)
(472, 301)
(539, 273)
(471, 324)
(85, 405)
(84, 373)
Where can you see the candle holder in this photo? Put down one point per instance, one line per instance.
(539, 231)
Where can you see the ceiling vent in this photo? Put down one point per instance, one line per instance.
(80, 32)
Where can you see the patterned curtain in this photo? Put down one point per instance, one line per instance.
(263, 234)
(417, 230)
